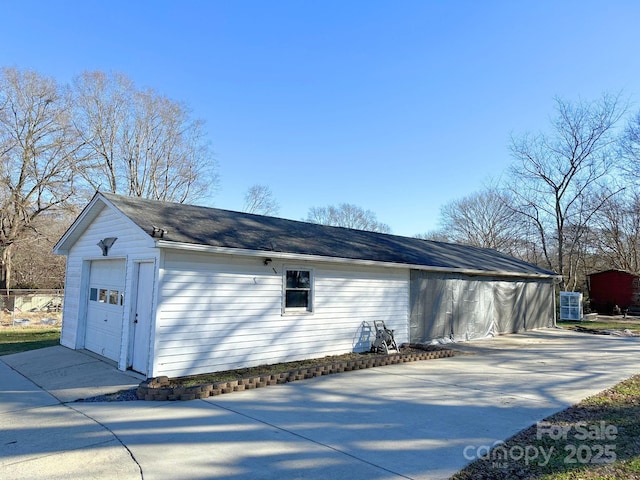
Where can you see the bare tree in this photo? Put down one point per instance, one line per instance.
(101, 106)
(35, 265)
(616, 237)
(347, 215)
(38, 156)
(555, 176)
(483, 219)
(259, 199)
(141, 143)
(434, 236)
(630, 147)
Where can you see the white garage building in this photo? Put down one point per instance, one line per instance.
(172, 289)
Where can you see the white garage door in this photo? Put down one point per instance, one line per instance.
(103, 332)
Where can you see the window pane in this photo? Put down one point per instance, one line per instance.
(103, 295)
(93, 294)
(304, 280)
(298, 279)
(297, 298)
(113, 297)
(292, 279)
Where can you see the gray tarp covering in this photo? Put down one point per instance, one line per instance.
(457, 307)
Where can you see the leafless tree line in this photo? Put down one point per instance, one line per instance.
(60, 143)
(137, 142)
(260, 199)
(347, 215)
(569, 200)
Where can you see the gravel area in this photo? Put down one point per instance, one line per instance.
(121, 396)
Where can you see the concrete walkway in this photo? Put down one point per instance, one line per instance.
(412, 420)
(70, 375)
(40, 437)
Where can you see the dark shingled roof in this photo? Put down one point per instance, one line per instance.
(223, 228)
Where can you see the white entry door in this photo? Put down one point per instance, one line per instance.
(141, 333)
(103, 329)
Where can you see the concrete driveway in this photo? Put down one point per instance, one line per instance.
(412, 420)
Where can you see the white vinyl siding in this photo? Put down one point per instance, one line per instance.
(132, 243)
(218, 312)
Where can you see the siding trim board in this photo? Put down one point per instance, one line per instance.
(218, 305)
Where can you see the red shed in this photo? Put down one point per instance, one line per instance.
(613, 287)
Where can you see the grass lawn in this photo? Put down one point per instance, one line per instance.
(18, 339)
(605, 323)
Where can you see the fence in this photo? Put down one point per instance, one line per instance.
(31, 307)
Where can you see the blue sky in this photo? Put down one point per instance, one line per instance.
(397, 106)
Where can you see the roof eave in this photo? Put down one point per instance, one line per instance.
(352, 261)
(87, 215)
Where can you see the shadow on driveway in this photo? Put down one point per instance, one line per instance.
(412, 420)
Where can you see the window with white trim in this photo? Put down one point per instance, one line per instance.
(298, 295)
